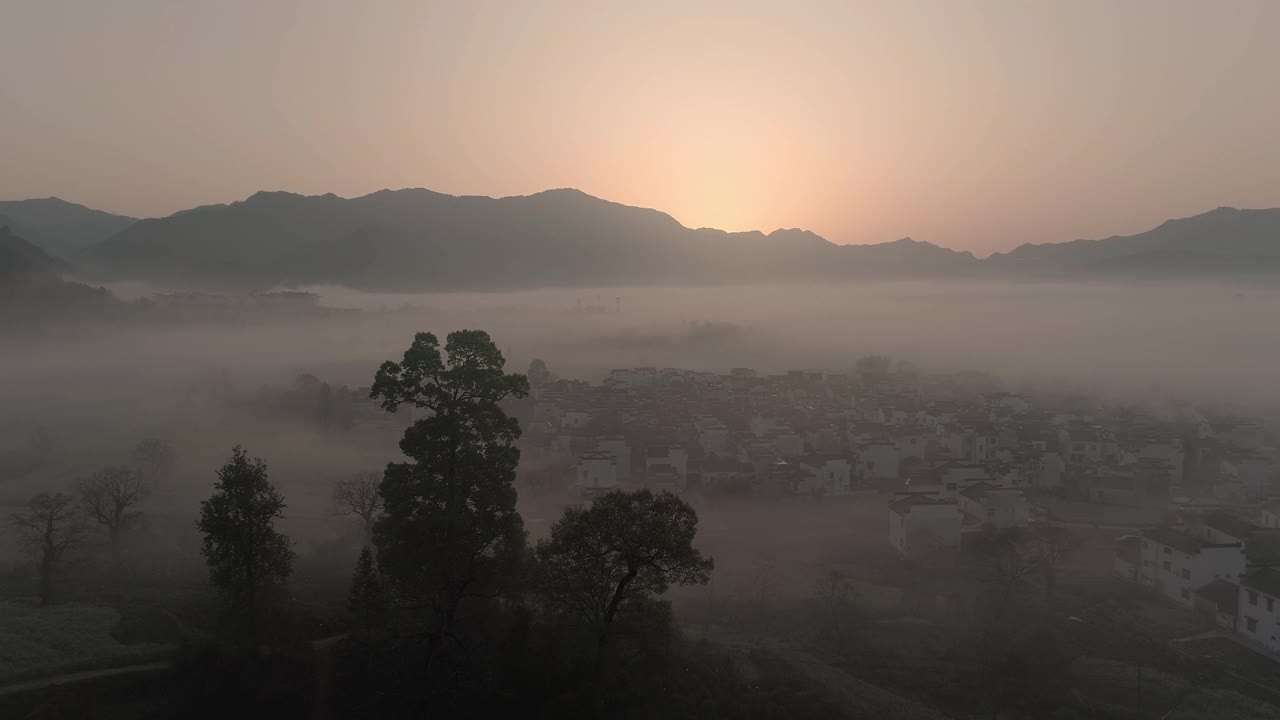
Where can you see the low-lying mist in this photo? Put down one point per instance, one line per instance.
(100, 388)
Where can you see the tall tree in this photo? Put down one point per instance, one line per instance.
(249, 560)
(110, 497)
(367, 601)
(539, 375)
(359, 496)
(154, 460)
(450, 530)
(49, 528)
(627, 548)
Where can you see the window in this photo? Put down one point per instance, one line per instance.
(1186, 574)
(1251, 624)
(1253, 598)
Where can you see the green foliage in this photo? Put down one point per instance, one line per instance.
(63, 638)
(628, 547)
(539, 375)
(450, 529)
(368, 599)
(249, 561)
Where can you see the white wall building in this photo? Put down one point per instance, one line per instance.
(827, 475)
(1176, 563)
(597, 473)
(878, 460)
(1260, 608)
(998, 507)
(919, 522)
(621, 451)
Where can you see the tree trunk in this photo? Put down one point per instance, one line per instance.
(46, 580)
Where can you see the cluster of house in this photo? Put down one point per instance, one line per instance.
(1081, 450)
(1219, 562)
(945, 440)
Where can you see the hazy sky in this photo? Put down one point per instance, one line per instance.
(976, 125)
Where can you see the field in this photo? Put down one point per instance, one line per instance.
(38, 641)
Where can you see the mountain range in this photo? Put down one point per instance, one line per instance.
(415, 239)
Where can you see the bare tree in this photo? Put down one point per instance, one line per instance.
(1015, 554)
(359, 496)
(154, 459)
(108, 498)
(49, 528)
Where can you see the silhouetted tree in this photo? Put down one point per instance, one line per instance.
(368, 599)
(359, 496)
(109, 496)
(1015, 553)
(49, 528)
(627, 548)
(154, 460)
(539, 375)
(249, 561)
(450, 530)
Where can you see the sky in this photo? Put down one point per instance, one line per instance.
(976, 125)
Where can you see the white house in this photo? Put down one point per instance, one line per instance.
(597, 473)
(663, 460)
(1270, 517)
(1176, 563)
(617, 447)
(1167, 451)
(575, 419)
(1051, 470)
(878, 460)
(999, 507)
(1260, 608)
(919, 522)
(826, 475)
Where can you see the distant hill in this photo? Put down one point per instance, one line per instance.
(20, 259)
(422, 240)
(419, 240)
(59, 227)
(1225, 241)
(32, 289)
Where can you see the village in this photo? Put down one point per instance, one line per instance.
(1184, 499)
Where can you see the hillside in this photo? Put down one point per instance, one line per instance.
(59, 227)
(1222, 241)
(19, 258)
(420, 240)
(412, 240)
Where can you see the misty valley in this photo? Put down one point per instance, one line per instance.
(892, 499)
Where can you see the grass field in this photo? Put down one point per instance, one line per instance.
(37, 641)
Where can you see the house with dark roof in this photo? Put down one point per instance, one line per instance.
(1176, 562)
(1221, 527)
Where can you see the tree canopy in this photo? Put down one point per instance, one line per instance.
(628, 547)
(449, 529)
(249, 560)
